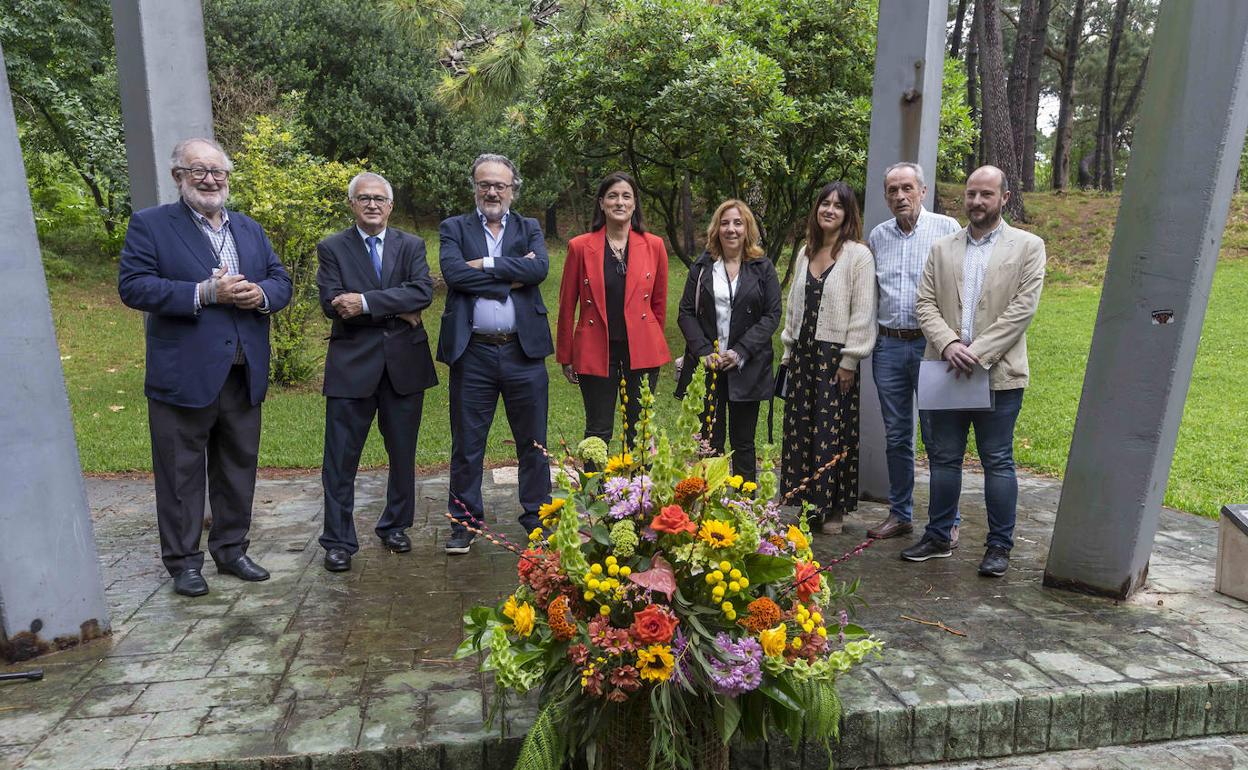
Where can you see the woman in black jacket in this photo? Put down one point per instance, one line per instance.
(728, 313)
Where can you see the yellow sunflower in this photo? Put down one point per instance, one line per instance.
(717, 534)
(773, 640)
(509, 609)
(522, 620)
(655, 662)
(548, 510)
(619, 462)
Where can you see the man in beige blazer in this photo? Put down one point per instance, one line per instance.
(977, 296)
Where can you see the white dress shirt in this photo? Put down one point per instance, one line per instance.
(381, 256)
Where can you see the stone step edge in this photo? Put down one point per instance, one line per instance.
(924, 733)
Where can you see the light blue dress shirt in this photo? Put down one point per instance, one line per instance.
(490, 316)
(974, 265)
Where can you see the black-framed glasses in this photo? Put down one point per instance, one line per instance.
(364, 200)
(498, 187)
(199, 173)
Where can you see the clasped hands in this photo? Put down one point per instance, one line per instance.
(236, 290)
(729, 359)
(479, 264)
(960, 359)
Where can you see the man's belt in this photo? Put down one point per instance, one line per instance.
(901, 334)
(494, 339)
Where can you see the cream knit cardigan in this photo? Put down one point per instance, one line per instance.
(847, 309)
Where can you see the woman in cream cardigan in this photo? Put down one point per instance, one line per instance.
(829, 327)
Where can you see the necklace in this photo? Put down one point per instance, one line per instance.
(620, 255)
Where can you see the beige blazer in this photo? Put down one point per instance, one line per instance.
(847, 309)
(1012, 284)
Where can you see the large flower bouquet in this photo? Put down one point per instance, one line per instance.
(662, 582)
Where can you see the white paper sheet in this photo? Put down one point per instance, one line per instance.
(939, 389)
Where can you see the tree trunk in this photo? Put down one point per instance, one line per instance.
(1020, 67)
(1103, 158)
(972, 88)
(955, 40)
(1066, 114)
(1039, 40)
(1133, 98)
(999, 135)
(686, 214)
(552, 221)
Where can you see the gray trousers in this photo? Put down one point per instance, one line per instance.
(228, 432)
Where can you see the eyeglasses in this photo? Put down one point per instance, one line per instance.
(498, 187)
(199, 173)
(380, 200)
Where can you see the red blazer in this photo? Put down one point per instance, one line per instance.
(583, 342)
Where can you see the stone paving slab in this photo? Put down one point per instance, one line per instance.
(355, 670)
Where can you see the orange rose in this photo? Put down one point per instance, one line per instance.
(674, 520)
(653, 625)
(806, 578)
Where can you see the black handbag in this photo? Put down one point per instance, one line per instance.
(782, 382)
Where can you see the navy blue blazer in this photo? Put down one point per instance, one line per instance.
(363, 347)
(463, 239)
(188, 354)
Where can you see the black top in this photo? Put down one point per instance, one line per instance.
(613, 283)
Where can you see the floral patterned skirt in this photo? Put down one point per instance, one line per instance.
(820, 424)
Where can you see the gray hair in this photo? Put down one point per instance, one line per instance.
(368, 176)
(915, 167)
(179, 151)
(489, 157)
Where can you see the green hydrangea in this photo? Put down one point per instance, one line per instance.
(624, 539)
(593, 449)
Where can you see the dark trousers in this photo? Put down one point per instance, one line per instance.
(228, 431)
(347, 422)
(742, 417)
(601, 395)
(482, 374)
(994, 437)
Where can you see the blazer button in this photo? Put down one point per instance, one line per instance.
(586, 281)
(589, 302)
(647, 275)
(591, 322)
(645, 296)
(643, 315)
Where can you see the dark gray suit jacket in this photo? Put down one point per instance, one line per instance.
(361, 348)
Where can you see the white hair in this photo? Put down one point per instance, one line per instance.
(915, 167)
(179, 152)
(368, 176)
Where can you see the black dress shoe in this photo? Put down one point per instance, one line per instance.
(397, 542)
(337, 560)
(244, 568)
(927, 548)
(189, 582)
(996, 562)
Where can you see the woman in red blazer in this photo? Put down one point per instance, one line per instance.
(615, 280)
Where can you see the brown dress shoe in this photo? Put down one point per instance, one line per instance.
(890, 527)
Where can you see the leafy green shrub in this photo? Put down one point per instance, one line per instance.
(298, 198)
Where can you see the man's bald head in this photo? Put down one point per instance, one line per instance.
(987, 192)
(988, 175)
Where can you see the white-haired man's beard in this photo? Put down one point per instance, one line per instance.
(204, 201)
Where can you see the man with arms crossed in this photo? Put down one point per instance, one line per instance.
(901, 246)
(373, 282)
(976, 299)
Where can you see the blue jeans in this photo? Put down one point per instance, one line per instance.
(895, 369)
(994, 435)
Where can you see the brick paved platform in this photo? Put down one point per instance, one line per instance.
(320, 670)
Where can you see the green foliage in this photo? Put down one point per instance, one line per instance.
(957, 130)
(299, 199)
(63, 74)
(544, 747)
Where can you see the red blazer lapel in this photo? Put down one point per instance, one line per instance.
(593, 271)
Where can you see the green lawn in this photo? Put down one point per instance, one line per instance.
(102, 350)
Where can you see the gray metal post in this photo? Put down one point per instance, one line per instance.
(50, 584)
(1174, 204)
(162, 66)
(905, 125)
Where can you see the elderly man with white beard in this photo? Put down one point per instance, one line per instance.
(207, 280)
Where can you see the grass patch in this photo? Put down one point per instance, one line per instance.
(101, 344)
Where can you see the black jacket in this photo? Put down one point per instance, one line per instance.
(755, 318)
(361, 348)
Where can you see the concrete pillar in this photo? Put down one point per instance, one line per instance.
(1183, 161)
(50, 586)
(905, 125)
(162, 66)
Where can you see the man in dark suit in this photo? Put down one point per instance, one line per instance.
(207, 280)
(495, 338)
(373, 283)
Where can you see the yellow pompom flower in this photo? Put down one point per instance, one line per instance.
(625, 571)
(717, 534)
(773, 640)
(735, 481)
(725, 567)
(797, 643)
(522, 621)
(797, 538)
(655, 663)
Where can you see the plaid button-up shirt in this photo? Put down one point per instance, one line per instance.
(899, 261)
